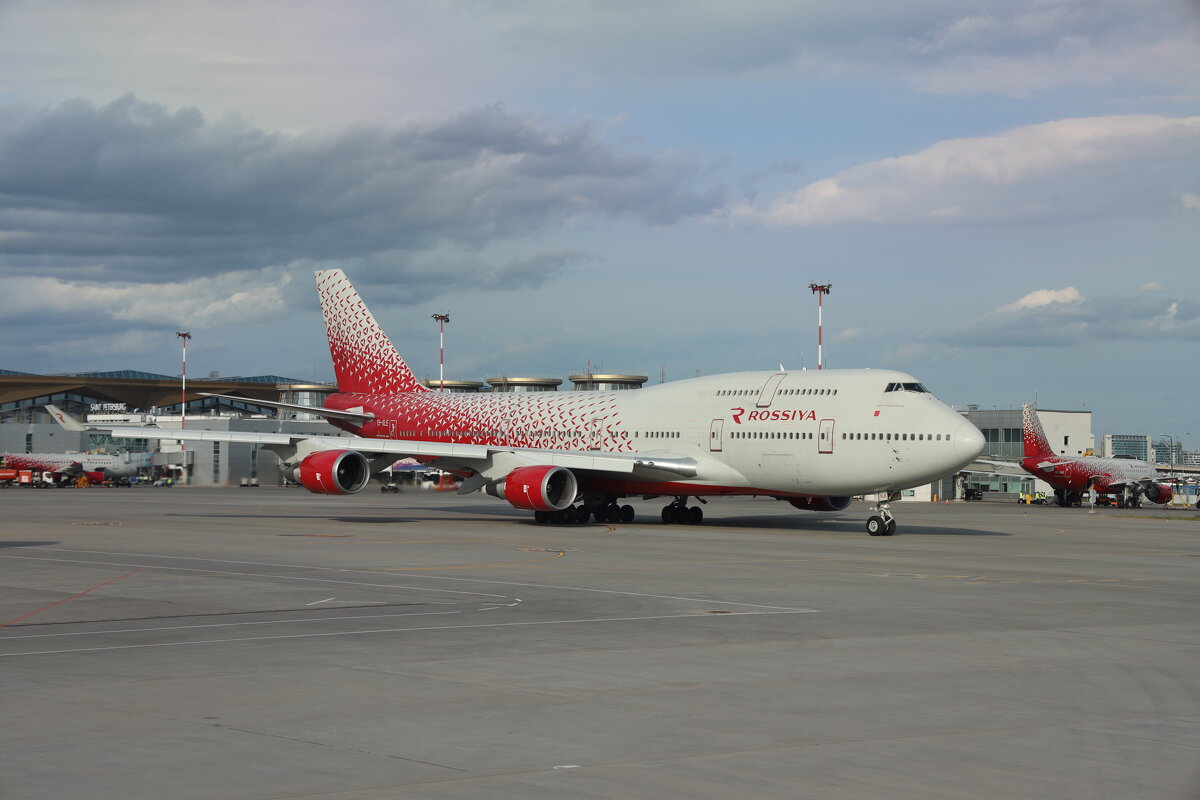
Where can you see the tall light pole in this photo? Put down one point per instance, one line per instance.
(442, 320)
(1172, 440)
(820, 290)
(184, 335)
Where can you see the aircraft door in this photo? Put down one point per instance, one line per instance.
(768, 390)
(595, 431)
(715, 431)
(825, 434)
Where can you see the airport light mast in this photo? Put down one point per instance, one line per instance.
(184, 335)
(442, 320)
(1173, 440)
(820, 290)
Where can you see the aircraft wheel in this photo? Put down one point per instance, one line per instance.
(890, 529)
(556, 517)
(626, 514)
(582, 514)
(569, 517)
(668, 514)
(876, 526)
(695, 515)
(541, 517)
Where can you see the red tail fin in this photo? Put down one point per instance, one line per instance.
(1036, 444)
(364, 359)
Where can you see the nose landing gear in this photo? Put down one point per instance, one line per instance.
(882, 523)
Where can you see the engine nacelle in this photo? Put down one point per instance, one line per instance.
(1159, 493)
(541, 488)
(332, 472)
(821, 503)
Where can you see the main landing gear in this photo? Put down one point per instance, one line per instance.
(882, 523)
(679, 513)
(605, 512)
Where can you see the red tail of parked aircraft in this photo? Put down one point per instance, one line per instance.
(1036, 443)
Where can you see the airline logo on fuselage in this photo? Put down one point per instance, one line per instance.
(772, 415)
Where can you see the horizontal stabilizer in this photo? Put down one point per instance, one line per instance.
(351, 416)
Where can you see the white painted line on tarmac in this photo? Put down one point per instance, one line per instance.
(255, 574)
(426, 577)
(4, 638)
(392, 630)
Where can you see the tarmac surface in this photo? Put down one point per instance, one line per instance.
(268, 643)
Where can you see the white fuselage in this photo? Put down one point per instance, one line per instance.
(826, 432)
(110, 465)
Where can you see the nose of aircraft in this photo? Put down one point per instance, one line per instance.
(968, 442)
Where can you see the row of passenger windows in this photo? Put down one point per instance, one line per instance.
(881, 437)
(771, 435)
(896, 437)
(782, 392)
(534, 434)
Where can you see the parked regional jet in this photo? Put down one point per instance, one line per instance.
(97, 467)
(814, 438)
(1071, 476)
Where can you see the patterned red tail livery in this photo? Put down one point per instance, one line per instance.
(1036, 443)
(364, 359)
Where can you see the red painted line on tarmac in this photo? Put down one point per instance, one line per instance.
(72, 597)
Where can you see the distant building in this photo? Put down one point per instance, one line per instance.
(456, 387)
(23, 395)
(607, 382)
(1129, 444)
(1168, 452)
(510, 384)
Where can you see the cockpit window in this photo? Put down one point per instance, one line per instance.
(906, 387)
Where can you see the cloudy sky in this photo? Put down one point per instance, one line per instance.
(1005, 194)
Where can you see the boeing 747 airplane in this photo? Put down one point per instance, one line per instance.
(813, 438)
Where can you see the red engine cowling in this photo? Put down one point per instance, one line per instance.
(820, 503)
(333, 472)
(1159, 493)
(541, 488)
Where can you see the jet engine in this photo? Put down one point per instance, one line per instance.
(332, 472)
(820, 503)
(1159, 493)
(540, 488)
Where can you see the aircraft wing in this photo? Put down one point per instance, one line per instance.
(491, 461)
(996, 467)
(994, 473)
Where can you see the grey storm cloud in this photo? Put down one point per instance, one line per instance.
(134, 190)
(1147, 316)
